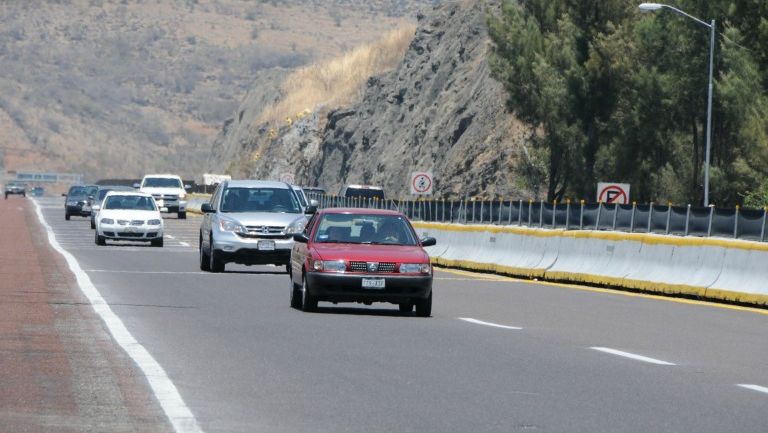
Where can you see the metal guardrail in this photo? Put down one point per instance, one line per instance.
(737, 223)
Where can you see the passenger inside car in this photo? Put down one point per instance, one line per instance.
(389, 233)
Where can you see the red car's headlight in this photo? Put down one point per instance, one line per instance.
(414, 268)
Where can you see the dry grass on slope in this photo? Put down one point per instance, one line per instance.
(337, 82)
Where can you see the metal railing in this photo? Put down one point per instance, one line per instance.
(737, 223)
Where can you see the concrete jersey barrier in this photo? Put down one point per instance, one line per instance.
(713, 268)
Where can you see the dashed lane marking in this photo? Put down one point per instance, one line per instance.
(480, 322)
(165, 391)
(634, 356)
(184, 244)
(757, 388)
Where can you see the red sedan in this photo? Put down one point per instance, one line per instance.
(361, 255)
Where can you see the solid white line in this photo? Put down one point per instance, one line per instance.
(632, 356)
(165, 391)
(184, 244)
(170, 237)
(480, 322)
(110, 271)
(757, 388)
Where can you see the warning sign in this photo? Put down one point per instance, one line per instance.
(613, 193)
(421, 183)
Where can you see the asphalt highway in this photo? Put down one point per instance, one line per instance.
(497, 355)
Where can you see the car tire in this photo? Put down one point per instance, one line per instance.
(182, 215)
(100, 240)
(424, 306)
(295, 295)
(157, 242)
(6, 196)
(308, 300)
(205, 264)
(93, 224)
(66, 216)
(215, 263)
(406, 307)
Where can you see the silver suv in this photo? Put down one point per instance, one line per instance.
(250, 222)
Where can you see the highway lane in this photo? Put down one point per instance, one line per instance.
(245, 362)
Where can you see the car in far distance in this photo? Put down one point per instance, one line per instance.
(38, 191)
(15, 188)
(169, 192)
(75, 202)
(129, 216)
(304, 201)
(364, 256)
(99, 198)
(364, 191)
(90, 191)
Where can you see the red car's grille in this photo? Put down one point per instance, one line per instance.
(372, 267)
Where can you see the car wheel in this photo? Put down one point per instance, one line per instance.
(182, 215)
(424, 307)
(215, 263)
(66, 216)
(406, 307)
(6, 196)
(157, 242)
(205, 264)
(308, 300)
(93, 224)
(295, 295)
(100, 240)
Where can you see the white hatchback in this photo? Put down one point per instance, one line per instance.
(129, 216)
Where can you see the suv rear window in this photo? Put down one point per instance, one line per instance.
(364, 192)
(161, 182)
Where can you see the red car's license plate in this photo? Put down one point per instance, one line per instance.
(373, 283)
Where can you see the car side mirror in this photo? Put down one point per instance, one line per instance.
(310, 210)
(207, 208)
(314, 203)
(136, 185)
(90, 197)
(63, 195)
(428, 242)
(301, 238)
(96, 207)
(187, 186)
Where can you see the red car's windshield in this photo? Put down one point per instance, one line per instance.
(364, 229)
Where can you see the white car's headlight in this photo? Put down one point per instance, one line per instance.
(231, 226)
(296, 226)
(183, 195)
(107, 221)
(154, 222)
(329, 265)
(414, 268)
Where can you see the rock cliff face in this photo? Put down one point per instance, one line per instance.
(439, 111)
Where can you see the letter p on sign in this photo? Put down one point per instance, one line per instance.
(617, 193)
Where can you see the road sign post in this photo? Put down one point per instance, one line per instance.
(421, 183)
(613, 193)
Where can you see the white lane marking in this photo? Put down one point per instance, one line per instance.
(632, 356)
(480, 322)
(757, 388)
(165, 391)
(170, 237)
(146, 272)
(184, 244)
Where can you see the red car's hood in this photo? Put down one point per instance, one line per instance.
(371, 253)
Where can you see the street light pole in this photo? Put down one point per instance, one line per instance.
(651, 7)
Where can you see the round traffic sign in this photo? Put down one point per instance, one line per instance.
(422, 183)
(613, 194)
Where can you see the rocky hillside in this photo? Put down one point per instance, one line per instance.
(115, 88)
(437, 110)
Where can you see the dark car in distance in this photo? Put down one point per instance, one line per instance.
(98, 198)
(364, 256)
(77, 202)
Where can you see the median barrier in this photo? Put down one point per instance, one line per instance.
(713, 268)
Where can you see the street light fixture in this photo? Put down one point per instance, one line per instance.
(652, 7)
